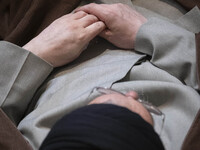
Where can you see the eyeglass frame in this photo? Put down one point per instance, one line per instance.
(150, 107)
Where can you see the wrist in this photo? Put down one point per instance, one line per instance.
(138, 25)
(32, 47)
(36, 50)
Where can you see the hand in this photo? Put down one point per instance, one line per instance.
(122, 22)
(64, 40)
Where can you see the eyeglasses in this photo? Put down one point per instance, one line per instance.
(153, 110)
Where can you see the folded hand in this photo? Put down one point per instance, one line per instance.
(122, 22)
(64, 40)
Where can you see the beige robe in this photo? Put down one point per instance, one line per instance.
(162, 69)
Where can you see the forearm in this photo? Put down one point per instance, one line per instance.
(171, 48)
(21, 74)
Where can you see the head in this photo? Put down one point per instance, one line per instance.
(112, 121)
(128, 100)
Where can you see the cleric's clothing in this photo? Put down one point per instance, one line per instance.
(163, 70)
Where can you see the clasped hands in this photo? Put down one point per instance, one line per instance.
(64, 39)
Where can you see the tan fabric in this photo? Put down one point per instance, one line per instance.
(22, 20)
(68, 87)
(17, 85)
(164, 8)
(10, 137)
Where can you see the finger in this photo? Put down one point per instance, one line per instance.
(79, 15)
(132, 94)
(88, 20)
(94, 9)
(94, 29)
(106, 34)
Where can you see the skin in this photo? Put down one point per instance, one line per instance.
(128, 101)
(122, 22)
(64, 40)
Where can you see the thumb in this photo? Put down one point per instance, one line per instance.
(94, 9)
(94, 29)
(106, 34)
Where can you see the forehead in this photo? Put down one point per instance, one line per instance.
(112, 96)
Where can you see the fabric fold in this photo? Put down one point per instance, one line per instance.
(20, 78)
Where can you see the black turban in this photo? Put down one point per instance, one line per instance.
(102, 127)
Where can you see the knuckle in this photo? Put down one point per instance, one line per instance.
(82, 13)
(111, 14)
(92, 18)
(81, 37)
(99, 25)
(71, 26)
(92, 5)
(108, 12)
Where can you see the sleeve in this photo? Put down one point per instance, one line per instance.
(171, 48)
(21, 73)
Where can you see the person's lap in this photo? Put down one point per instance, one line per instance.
(60, 79)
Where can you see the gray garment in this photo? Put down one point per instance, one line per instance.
(20, 71)
(166, 79)
(167, 8)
